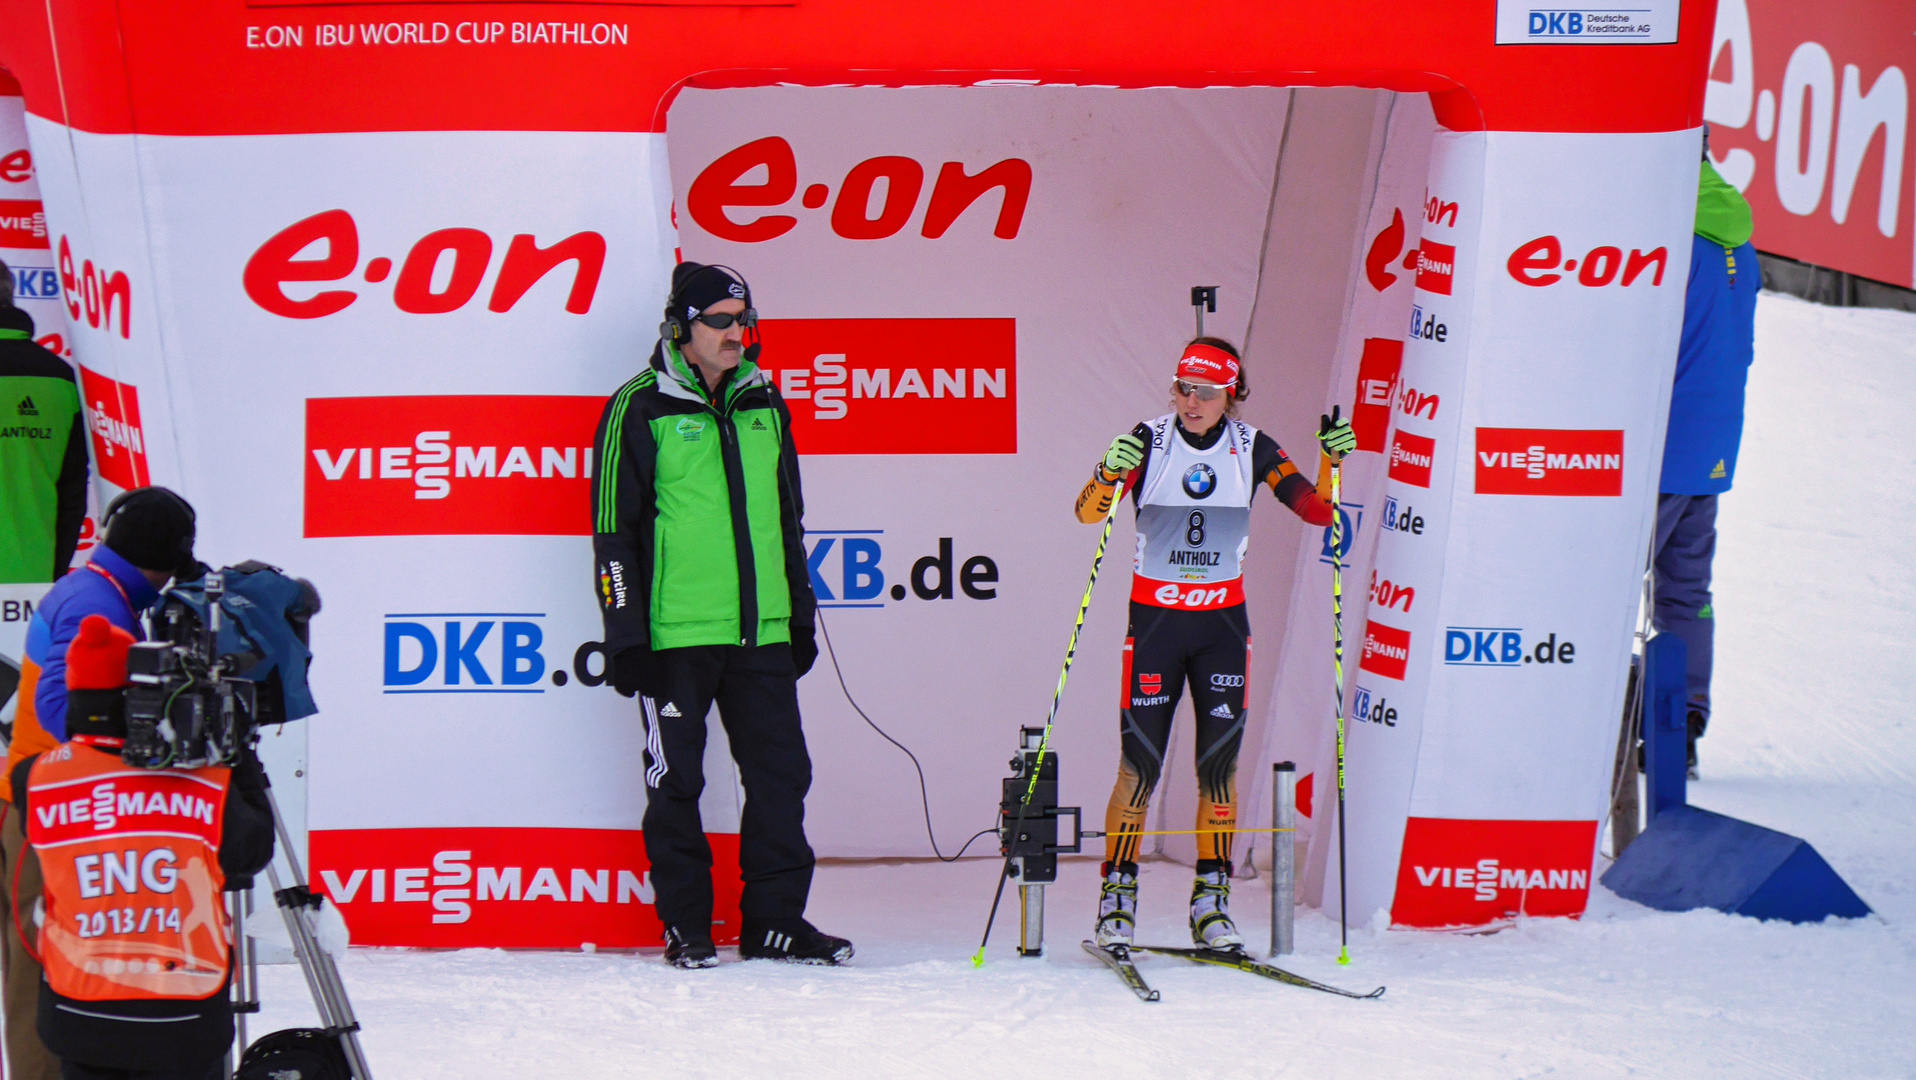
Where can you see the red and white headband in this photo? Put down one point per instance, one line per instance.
(1208, 362)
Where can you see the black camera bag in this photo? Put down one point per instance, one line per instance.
(295, 1054)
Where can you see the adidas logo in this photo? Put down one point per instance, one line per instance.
(776, 940)
(1223, 711)
(27, 407)
(669, 710)
(1719, 472)
(757, 424)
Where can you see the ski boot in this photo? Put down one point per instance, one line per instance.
(1118, 906)
(792, 940)
(1211, 925)
(689, 950)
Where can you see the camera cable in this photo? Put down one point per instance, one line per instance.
(924, 794)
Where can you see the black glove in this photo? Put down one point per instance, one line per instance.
(804, 648)
(635, 669)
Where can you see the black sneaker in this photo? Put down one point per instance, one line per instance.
(689, 949)
(792, 940)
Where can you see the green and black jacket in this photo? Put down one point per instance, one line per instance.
(42, 457)
(697, 512)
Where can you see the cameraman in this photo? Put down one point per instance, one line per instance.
(133, 933)
(149, 537)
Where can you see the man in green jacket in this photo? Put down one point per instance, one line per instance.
(43, 479)
(706, 596)
(42, 453)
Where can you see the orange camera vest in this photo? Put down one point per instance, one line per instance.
(133, 904)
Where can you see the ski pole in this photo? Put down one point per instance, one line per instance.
(1070, 653)
(1337, 666)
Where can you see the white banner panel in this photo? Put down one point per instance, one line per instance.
(1113, 205)
(1573, 280)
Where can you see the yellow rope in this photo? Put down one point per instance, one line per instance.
(1185, 832)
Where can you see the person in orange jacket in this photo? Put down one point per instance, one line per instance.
(132, 928)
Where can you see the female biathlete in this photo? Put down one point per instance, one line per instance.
(1191, 474)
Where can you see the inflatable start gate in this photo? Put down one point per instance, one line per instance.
(356, 278)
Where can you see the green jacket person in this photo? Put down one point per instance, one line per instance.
(703, 584)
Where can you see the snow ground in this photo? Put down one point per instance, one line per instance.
(1816, 600)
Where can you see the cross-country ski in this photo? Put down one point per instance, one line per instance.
(1118, 959)
(1240, 960)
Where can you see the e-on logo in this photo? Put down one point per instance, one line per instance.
(860, 575)
(478, 660)
(1200, 481)
(1496, 646)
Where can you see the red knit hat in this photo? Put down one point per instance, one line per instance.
(97, 658)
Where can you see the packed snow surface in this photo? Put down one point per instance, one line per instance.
(1816, 609)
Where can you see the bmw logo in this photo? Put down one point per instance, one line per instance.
(1199, 481)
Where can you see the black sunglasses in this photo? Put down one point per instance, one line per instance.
(723, 321)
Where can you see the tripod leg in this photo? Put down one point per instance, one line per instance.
(322, 974)
(245, 987)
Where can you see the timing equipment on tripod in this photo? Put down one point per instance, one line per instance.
(1028, 833)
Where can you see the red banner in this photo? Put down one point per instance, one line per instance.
(1386, 650)
(23, 225)
(113, 416)
(1377, 371)
(423, 466)
(506, 888)
(1469, 873)
(1410, 458)
(1809, 109)
(1542, 461)
(897, 386)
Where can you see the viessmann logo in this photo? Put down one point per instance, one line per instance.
(1462, 872)
(510, 887)
(897, 386)
(717, 199)
(412, 466)
(1436, 265)
(1549, 461)
(23, 224)
(1386, 650)
(441, 272)
(1410, 458)
(113, 419)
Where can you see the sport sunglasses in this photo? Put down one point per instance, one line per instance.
(724, 320)
(1201, 391)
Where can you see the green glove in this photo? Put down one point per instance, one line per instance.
(1126, 453)
(1336, 435)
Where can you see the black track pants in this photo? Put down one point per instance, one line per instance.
(757, 694)
(1165, 650)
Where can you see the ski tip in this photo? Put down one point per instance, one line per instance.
(978, 958)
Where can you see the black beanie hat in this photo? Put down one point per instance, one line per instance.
(153, 529)
(697, 286)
